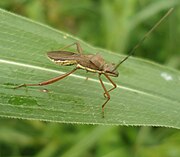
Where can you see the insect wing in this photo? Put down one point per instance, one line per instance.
(63, 57)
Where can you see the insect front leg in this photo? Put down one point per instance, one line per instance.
(78, 47)
(48, 81)
(114, 85)
(106, 92)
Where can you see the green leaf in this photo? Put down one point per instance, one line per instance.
(147, 94)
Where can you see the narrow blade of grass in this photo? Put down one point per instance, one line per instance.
(147, 94)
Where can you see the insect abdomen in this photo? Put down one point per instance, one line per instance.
(62, 57)
(65, 62)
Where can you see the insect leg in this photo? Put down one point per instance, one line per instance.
(111, 83)
(78, 47)
(48, 81)
(106, 92)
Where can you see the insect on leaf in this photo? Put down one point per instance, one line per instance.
(147, 93)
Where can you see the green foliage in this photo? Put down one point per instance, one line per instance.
(147, 93)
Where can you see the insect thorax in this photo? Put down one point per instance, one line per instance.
(88, 69)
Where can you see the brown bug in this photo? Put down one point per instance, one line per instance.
(90, 63)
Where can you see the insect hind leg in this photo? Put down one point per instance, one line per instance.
(78, 47)
(48, 81)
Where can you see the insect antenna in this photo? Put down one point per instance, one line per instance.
(133, 50)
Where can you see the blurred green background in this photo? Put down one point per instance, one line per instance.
(116, 25)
